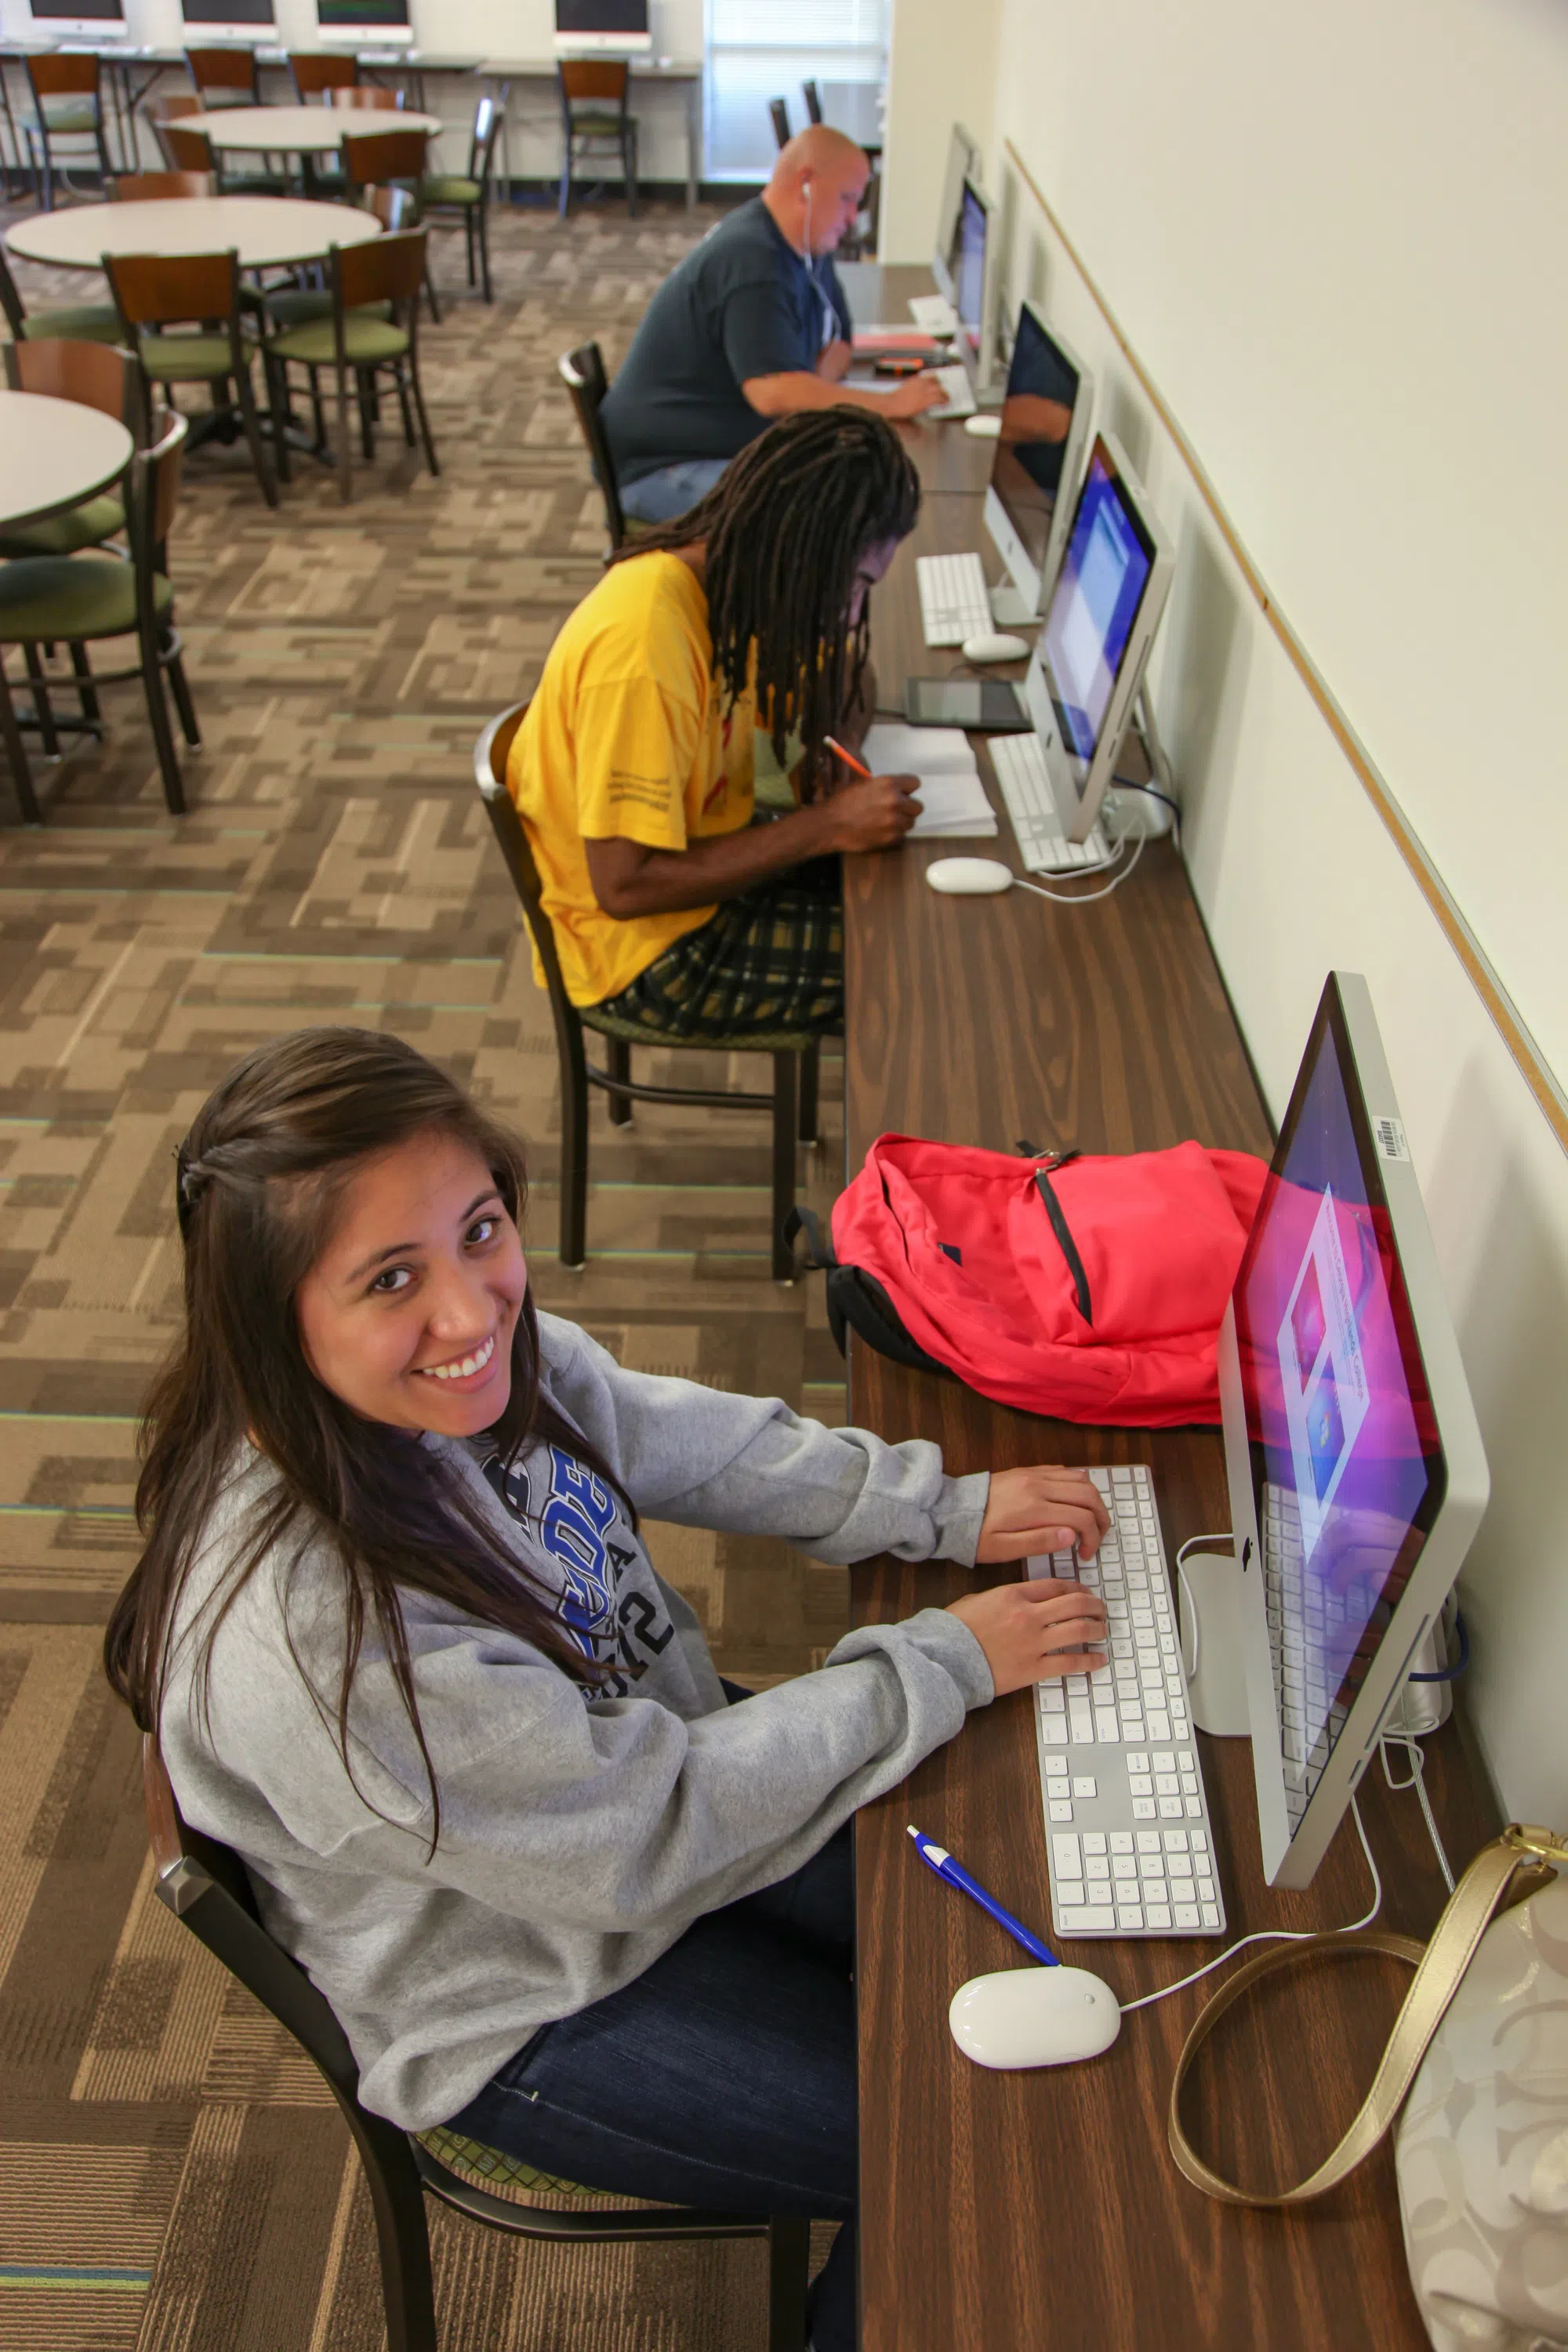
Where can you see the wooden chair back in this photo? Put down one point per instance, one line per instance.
(813, 98)
(395, 208)
(313, 72)
(366, 97)
(780, 114)
(155, 486)
(53, 75)
(385, 269)
(216, 71)
(186, 150)
(583, 374)
(16, 317)
(595, 79)
(160, 187)
(372, 158)
(162, 290)
(95, 375)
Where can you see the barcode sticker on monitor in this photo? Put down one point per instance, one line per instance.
(1390, 1137)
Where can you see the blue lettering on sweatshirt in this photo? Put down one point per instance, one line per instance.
(573, 1529)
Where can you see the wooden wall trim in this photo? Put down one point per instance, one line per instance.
(1536, 1071)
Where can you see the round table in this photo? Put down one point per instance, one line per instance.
(270, 232)
(300, 130)
(54, 453)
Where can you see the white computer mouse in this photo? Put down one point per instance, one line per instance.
(984, 427)
(1034, 2017)
(993, 645)
(968, 877)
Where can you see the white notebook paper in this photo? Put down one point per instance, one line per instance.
(952, 798)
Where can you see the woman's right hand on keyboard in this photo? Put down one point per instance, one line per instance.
(1036, 1629)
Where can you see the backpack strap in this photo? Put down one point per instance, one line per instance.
(819, 1256)
(1440, 1969)
(1069, 1247)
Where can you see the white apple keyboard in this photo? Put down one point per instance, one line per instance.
(1128, 1838)
(954, 602)
(932, 316)
(1031, 805)
(958, 399)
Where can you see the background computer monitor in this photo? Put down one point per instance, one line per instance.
(374, 20)
(617, 27)
(1100, 625)
(84, 16)
(1047, 411)
(1357, 1474)
(963, 163)
(966, 269)
(236, 20)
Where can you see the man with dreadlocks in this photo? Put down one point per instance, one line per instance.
(634, 768)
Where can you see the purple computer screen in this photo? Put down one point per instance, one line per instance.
(1094, 604)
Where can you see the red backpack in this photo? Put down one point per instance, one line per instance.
(1087, 1288)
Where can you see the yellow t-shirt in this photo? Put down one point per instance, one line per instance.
(626, 736)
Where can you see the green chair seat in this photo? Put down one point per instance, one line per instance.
(63, 598)
(87, 525)
(256, 183)
(83, 323)
(638, 1033)
(492, 2169)
(596, 126)
(70, 113)
(365, 342)
(186, 359)
(298, 306)
(448, 188)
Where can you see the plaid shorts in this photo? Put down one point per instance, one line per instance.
(769, 961)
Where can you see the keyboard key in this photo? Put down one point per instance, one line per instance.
(1159, 1727)
(1139, 1784)
(1188, 1915)
(1095, 1915)
(1170, 1808)
(1165, 1760)
(1205, 1888)
(1096, 1866)
(1121, 1841)
(1194, 1807)
(1126, 1919)
(1166, 1784)
(1094, 1842)
(1124, 1865)
(1065, 1857)
(1156, 1914)
(1174, 1840)
(1106, 1730)
(1052, 1700)
(1178, 1865)
(1069, 1891)
(1150, 1865)
(1139, 1763)
(1143, 1808)
(1053, 1731)
(1148, 1841)
(1082, 1730)
(1211, 1914)
(1199, 1840)
(1059, 1810)
(1056, 1768)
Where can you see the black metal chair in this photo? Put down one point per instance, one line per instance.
(780, 114)
(594, 94)
(583, 374)
(67, 92)
(813, 98)
(467, 195)
(205, 1884)
(793, 1112)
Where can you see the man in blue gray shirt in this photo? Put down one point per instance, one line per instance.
(752, 326)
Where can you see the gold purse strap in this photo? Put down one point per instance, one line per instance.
(1439, 1969)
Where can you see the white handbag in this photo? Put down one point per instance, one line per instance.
(1480, 2046)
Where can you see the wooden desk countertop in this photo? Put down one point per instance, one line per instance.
(1000, 2211)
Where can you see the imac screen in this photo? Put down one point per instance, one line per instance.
(226, 12)
(1348, 1473)
(77, 12)
(1036, 418)
(341, 16)
(968, 267)
(601, 15)
(1095, 602)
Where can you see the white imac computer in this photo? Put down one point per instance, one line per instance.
(1048, 412)
(1088, 661)
(615, 28)
(966, 269)
(1356, 1470)
(963, 163)
(363, 23)
(243, 21)
(80, 20)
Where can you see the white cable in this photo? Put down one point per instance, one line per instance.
(1221, 1534)
(1418, 1781)
(1274, 1935)
(1085, 897)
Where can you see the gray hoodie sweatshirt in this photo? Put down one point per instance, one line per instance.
(581, 1831)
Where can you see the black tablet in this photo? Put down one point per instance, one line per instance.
(993, 705)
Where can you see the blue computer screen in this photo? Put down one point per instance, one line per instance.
(1346, 1463)
(1036, 418)
(969, 266)
(1103, 577)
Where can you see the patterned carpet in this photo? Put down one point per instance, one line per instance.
(172, 2177)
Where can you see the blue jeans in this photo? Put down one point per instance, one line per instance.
(659, 497)
(723, 2075)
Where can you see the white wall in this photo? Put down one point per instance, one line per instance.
(934, 79)
(500, 28)
(1332, 239)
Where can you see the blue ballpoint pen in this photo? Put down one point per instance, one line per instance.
(937, 1858)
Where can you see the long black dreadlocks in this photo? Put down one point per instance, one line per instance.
(785, 528)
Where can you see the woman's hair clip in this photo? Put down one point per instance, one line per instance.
(188, 1182)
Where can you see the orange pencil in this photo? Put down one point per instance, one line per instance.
(848, 757)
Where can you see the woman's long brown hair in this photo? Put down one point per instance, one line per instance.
(259, 1181)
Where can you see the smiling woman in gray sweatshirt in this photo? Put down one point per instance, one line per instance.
(404, 1649)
